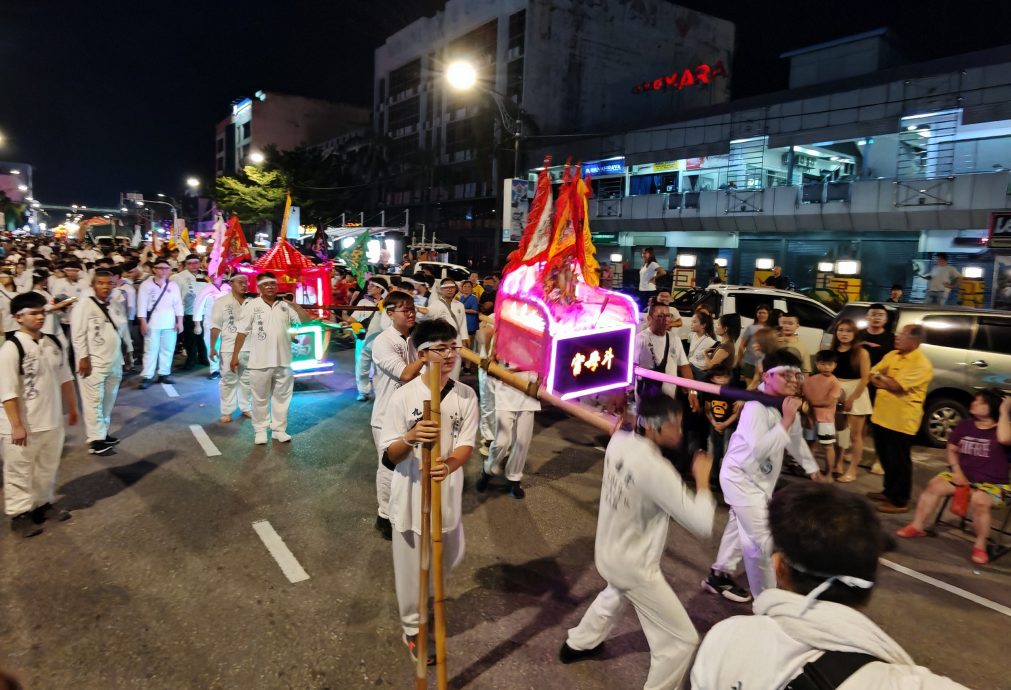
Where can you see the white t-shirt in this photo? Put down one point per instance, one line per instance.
(697, 346)
(649, 350)
(169, 306)
(941, 276)
(453, 313)
(93, 336)
(509, 399)
(208, 295)
(187, 283)
(391, 353)
(225, 315)
(459, 428)
(38, 390)
(266, 328)
(647, 276)
(78, 288)
(7, 322)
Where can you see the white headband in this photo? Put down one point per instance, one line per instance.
(848, 580)
(265, 279)
(776, 370)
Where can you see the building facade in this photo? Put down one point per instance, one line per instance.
(882, 164)
(571, 67)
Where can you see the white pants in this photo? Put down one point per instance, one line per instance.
(272, 386)
(30, 470)
(747, 534)
(363, 366)
(487, 424)
(384, 476)
(233, 387)
(215, 364)
(98, 396)
(513, 432)
(669, 631)
(159, 349)
(406, 566)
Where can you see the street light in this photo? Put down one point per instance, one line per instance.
(257, 157)
(461, 75)
(192, 182)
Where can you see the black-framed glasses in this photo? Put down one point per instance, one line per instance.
(444, 350)
(408, 310)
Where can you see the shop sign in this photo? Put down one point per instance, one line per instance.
(1000, 230)
(613, 166)
(700, 75)
(647, 168)
(604, 237)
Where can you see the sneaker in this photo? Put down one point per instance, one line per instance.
(567, 654)
(165, 379)
(385, 527)
(482, 482)
(47, 511)
(261, 438)
(723, 584)
(111, 440)
(412, 646)
(99, 448)
(889, 507)
(214, 375)
(145, 384)
(364, 397)
(516, 491)
(24, 526)
(281, 436)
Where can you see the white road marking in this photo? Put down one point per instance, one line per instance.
(957, 591)
(170, 390)
(280, 551)
(204, 440)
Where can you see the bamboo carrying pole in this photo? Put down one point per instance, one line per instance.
(439, 600)
(424, 559)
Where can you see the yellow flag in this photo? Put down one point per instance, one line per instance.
(184, 237)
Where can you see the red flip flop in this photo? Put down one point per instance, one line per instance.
(979, 556)
(910, 532)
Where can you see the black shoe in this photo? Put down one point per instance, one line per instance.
(204, 363)
(384, 527)
(111, 440)
(145, 384)
(47, 511)
(482, 482)
(567, 654)
(723, 584)
(165, 379)
(24, 526)
(516, 491)
(412, 645)
(214, 375)
(99, 447)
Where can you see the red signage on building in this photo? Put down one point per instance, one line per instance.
(699, 76)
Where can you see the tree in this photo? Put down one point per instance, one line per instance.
(255, 195)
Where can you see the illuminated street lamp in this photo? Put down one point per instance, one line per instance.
(462, 76)
(192, 182)
(257, 157)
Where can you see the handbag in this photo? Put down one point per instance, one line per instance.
(960, 501)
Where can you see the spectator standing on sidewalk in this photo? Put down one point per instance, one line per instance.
(777, 279)
(943, 277)
(901, 378)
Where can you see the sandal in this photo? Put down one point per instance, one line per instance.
(910, 532)
(846, 478)
(877, 469)
(979, 556)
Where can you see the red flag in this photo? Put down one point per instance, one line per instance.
(235, 247)
(537, 232)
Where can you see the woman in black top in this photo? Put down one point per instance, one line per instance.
(853, 367)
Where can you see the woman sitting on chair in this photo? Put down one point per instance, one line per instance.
(979, 450)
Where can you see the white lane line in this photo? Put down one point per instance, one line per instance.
(957, 591)
(280, 551)
(170, 390)
(204, 440)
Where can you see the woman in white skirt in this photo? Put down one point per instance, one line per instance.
(853, 371)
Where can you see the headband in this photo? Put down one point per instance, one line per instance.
(237, 276)
(260, 279)
(776, 370)
(848, 580)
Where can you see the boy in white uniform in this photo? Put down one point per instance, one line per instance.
(403, 433)
(265, 322)
(445, 306)
(827, 547)
(233, 388)
(640, 494)
(748, 476)
(514, 429)
(100, 336)
(8, 291)
(34, 389)
(160, 313)
(396, 362)
(202, 307)
(374, 291)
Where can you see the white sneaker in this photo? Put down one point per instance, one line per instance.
(280, 436)
(261, 438)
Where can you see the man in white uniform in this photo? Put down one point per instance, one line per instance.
(748, 476)
(641, 493)
(35, 385)
(445, 306)
(403, 433)
(514, 429)
(7, 293)
(186, 280)
(160, 313)
(202, 307)
(265, 321)
(234, 386)
(73, 285)
(396, 362)
(363, 345)
(100, 337)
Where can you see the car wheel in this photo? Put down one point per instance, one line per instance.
(940, 418)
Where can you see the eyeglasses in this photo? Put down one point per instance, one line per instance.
(410, 310)
(444, 350)
(789, 375)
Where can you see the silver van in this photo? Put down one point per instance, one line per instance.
(969, 348)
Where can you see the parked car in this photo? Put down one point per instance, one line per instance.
(830, 297)
(970, 350)
(440, 270)
(743, 300)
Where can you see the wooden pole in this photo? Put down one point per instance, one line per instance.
(439, 600)
(424, 558)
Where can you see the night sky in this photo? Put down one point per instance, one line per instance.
(104, 96)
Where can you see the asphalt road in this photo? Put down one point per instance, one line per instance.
(161, 581)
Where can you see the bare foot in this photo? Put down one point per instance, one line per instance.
(847, 478)
(225, 419)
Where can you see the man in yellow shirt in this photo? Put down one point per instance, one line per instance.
(901, 378)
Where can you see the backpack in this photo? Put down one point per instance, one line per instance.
(21, 348)
(829, 671)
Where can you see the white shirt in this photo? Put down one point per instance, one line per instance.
(509, 399)
(941, 277)
(453, 313)
(52, 323)
(459, 428)
(360, 316)
(78, 288)
(7, 322)
(170, 306)
(38, 390)
(187, 283)
(225, 315)
(207, 296)
(23, 282)
(647, 276)
(754, 456)
(266, 328)
(126, 297)
(391, 353)
(649, 350)
(93, 336)
(697, 346)
(641, 491)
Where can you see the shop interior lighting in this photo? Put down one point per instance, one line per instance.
(721, 262)
(972, 272)
(764, 264)
(687, 260)
(616, 258)
(825, 266)
(847, 268)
